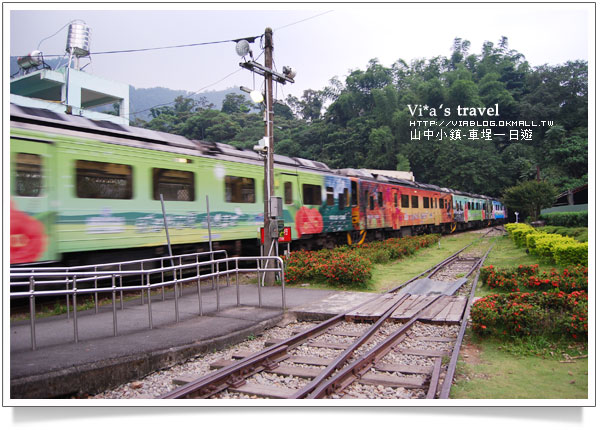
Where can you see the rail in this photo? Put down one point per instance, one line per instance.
(144, 280)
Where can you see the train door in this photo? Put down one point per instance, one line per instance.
(358, 215)
(32, 217)
(286, 187)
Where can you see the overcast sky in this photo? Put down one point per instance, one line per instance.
(342, 38)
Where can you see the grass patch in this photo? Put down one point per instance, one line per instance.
(390, 275)
(387, 276)
(520, 370)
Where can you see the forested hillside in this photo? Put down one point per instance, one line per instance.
(366, 120)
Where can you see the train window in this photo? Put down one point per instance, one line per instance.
(312, 194)
(287, 192)
(239, 190)
(354, 193)
(380, 199)
(28, 175)
(426, 202)
(96, 180)
(371, 202)
(404, 201)
(346, 198)
(415, 202)
(442, 203)
(330, 199)
(395, 200)
(342, 200)
(175, 185)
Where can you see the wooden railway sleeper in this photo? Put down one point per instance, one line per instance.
(318, 389)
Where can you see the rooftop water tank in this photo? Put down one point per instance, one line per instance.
(78, 39)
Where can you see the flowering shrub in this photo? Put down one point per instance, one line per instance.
(539, 313)
(350, 264)
(328, 266)
(573, 278)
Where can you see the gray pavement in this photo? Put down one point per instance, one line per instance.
(61, 367)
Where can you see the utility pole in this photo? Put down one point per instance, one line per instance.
(268, 245)
(267, 147)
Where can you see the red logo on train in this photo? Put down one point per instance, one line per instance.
(27, 237)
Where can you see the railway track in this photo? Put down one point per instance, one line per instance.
(399, 345)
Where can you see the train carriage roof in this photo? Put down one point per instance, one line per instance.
(46, 117)
(211, 149)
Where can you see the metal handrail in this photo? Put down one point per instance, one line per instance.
(145, 260)
(71, 279)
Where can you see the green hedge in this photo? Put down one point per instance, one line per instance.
(571, 253)
(562, 250)
(578, 233)
(566, 219)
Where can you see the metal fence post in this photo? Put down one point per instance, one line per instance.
(282, 284)
(75, 332)
(198, 286)
(114, 304)
(142, 283)
(32, 311)
(176, 291)
(68, 299)
(149, 302)
(121, 288)
(258, 264)
(96, 287)
(162, 277)
(237, 280)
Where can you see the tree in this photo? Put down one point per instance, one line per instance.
(530, 197)
(402, 163)
(235, 103)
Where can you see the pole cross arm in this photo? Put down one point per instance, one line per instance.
(255, 67)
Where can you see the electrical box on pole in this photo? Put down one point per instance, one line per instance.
(276, 209)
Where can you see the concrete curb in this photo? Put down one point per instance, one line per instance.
(93, 378)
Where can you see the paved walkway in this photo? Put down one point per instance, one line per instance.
(61, 367)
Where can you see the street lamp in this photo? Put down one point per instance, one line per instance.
(255, 95)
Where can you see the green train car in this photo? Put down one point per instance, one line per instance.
(81, 189)
(86, 191)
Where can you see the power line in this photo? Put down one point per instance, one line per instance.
(191, 94)
(169, 47)
(302, 20)
(122, 51)
(197, 91)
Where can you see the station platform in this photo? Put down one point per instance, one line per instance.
(59, 367)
